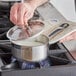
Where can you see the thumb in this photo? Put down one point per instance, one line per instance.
(68, 38)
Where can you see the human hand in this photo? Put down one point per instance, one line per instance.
(20, 13)
(72, 36)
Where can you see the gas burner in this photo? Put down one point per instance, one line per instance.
(11, 63)
(15, 67)
(32, 65)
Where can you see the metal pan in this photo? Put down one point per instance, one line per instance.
(31, 49)
(31, 52)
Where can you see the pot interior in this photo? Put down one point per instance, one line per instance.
(38, 41)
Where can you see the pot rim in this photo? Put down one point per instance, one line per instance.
(46, 43)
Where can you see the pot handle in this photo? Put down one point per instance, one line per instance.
(58, 30)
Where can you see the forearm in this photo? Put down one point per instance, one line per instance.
(36, 3)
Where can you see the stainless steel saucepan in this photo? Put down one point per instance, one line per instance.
(31, 49)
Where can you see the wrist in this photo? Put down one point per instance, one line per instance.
(32, 4)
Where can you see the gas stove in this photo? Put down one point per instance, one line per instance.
(59, 61)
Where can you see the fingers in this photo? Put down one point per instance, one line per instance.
(13, 13)
(27, 16)
(20, 16)
(17, 13)
(70, 37)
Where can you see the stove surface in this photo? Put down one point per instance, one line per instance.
(56, 56)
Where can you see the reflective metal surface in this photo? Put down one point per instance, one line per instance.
(32, 53)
